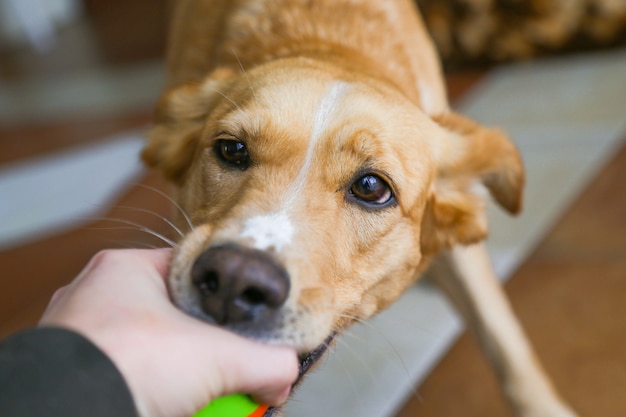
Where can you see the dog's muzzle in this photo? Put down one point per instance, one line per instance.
(246, 287)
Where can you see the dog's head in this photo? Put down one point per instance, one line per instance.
(316, 196)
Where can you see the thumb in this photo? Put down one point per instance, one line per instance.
(262, 371)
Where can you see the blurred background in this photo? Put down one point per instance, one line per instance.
(78, 82)
(71, 60)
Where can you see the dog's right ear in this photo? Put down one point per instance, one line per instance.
(179, 119)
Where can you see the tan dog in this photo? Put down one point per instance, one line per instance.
(322, 171)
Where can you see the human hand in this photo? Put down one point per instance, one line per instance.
(174, 364)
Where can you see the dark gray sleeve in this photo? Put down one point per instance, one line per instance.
(53, 372)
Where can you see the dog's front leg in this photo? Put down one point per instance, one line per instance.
(467, 277)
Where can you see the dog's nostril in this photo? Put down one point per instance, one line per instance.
(254, 296)
(209, 283)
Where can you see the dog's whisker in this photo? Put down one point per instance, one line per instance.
(378, 352)
(153, 213)
(171, 201)
(367, 363)
(227, 98)
(158, 236)
(348, 372)
(367, 322)
(132, 226)
(392, 358)
(359, 357)
(369, 325)
(128, 244)
(243, 71)
(362, 340)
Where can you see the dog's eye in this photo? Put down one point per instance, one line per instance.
(233, 152)
(372, 190)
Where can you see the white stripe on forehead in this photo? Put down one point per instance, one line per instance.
(328, 105)
(275, 229)
(321, 119)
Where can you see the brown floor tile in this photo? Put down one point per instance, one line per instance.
(20, 142)
(460, 82)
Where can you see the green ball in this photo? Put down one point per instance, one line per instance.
(235, 405)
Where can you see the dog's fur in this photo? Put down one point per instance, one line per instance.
(323, 94)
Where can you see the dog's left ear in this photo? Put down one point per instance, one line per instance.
(179, 118)
(469, 159)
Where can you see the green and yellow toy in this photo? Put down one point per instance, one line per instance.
(235, 405)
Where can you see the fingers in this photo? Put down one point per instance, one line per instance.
(113, 277)
(271, 373)
(156, 260)
(262, 371)
(128, 269)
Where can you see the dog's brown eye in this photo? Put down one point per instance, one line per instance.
(372, 190)
(233, 152)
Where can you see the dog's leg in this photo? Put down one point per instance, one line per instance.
(467, 277)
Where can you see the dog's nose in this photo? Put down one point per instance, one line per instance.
(239, 284)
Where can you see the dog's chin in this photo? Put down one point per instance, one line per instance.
(307, 361)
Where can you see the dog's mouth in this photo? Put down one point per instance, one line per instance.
(307, 361)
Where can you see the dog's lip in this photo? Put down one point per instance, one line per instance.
(307, 360)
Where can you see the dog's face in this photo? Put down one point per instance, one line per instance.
(315, 201)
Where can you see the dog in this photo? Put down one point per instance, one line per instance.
(321, 172)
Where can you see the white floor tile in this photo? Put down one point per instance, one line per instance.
(45, 195)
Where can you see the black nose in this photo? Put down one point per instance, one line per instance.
(239, 284)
